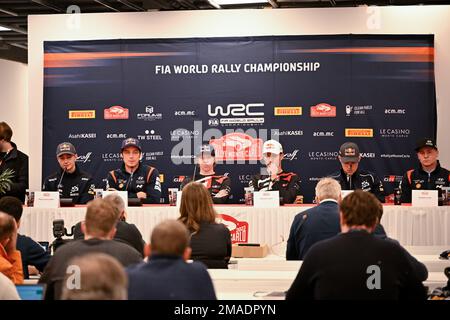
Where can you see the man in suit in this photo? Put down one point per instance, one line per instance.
(356, 264)
(167, 275)
(315, 224)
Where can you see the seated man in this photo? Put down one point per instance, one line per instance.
(32, 253)
(429, 175)
(126, 232)
(99, 227)
(218, 186)
(10, 261)
(101, 278)
(315, 224)
(351, 178)
(141, 181)
(356, 264)
(287, 183)
(167, 275)
(70, 181)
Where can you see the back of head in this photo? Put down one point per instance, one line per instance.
(196, 206)
(11, 206)
(101, 218)
(361, 208)
(7, 226)
(328, 188)
(116, 202)
(101, 277)
(5, 132)
(169, 237)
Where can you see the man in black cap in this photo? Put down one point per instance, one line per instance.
(140, 180)
(219, 186)
(69, 180)
(429, 176)
(351, 178)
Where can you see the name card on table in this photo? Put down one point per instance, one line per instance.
(345, 193)
(46, 199)
(122, 194)
(179, 195)
(424, 198)
(266, 199)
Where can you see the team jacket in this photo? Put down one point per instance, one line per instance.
(214, 183)
(77, 185)
(361, 179)
(418, 179)
(287, 183)
(144, 179)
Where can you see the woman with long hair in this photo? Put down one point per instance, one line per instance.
(210, 241)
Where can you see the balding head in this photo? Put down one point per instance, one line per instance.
(7, 227)
(170, 237)
(328, 188)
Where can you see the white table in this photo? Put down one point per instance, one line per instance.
(411, 226)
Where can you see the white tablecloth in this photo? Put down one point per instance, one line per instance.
(411, 226)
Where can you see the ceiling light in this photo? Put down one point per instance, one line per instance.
(232, 2)
(4, 29)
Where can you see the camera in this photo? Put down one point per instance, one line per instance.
(59, 231)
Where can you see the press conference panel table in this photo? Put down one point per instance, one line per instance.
(411, 226)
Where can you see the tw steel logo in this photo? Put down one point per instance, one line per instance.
(237, 146)
(238, 229)
(236, 110)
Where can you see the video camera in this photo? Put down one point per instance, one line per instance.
(59, 231)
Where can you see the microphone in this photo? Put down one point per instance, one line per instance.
(60, 179)
(195, 171)
(129, 180)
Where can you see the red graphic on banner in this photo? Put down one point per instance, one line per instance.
(323, 110)
(238, 229)
(115, 112)
(237, 146)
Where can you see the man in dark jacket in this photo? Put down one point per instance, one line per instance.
(356, 264)
(352, 178)
(31, 251)
(140, 180)
(167, 275)
(219, 186)
(99, 227)
(15, 160)
(315, 224)
(70, 181)
(126, 232)
(287, 183)
(429, 175)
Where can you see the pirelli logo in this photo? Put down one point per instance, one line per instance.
(288, 111)
(81, 114)
(359, 133)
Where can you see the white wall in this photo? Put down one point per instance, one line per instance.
(219, 23)
(14, 100)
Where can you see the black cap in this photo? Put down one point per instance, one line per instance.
(65, 148)
(425, 142)
(131, 142)
(349, 152)
(205, 148)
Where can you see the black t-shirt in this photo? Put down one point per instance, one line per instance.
(55, 271)
(214, 183)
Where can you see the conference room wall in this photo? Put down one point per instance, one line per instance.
(14, 100)
(223, 23)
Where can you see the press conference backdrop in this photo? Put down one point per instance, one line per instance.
(312, 93)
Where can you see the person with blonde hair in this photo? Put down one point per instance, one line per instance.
(210, 241)
(315, 224)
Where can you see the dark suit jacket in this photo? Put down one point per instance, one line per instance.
(18, 162)
(356, 265)
(126, 232)
(311, 226)
(169, 278)
(32, 254)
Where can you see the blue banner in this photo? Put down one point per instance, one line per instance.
(312, 93)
